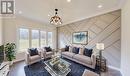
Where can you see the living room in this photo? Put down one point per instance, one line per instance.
(64, 38)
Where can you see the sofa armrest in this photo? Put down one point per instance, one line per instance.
(53, 50)
(62, 49)
(93, 58)
(27, 59)
(39, 53)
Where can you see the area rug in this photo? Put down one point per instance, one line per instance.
(38, 69)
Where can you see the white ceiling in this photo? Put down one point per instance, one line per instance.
(69, 12)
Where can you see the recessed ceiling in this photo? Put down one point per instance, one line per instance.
(69, 10)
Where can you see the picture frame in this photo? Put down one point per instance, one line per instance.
(80, 37)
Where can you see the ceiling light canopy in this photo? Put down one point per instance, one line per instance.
(48, 15)
(20, 12)
(100, 6)
(56, 20)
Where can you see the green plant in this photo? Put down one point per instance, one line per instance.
(10, 51)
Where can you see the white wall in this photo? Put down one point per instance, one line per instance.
(125, 41)
(1, 31)
(10, 30)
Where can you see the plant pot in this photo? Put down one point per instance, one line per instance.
(10, 63)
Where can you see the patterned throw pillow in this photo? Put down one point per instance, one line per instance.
(88, 52)
(75, 50)
(66, 48)
(33, 51)
(48, 49)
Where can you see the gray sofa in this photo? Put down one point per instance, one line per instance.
(79, 58)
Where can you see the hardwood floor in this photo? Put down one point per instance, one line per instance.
(18, 70)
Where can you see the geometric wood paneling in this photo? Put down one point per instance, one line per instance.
(95, 29)
(103, 28)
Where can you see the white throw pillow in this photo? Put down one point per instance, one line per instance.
(70, 48)
(81, 51)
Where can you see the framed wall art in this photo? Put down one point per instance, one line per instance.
(80, 38)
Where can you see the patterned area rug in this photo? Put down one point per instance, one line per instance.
(38, 69)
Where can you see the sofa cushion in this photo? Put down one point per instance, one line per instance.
(75, 50)
(48, 49)
(68, 54)
(33, 51)
(35, 57)
(88, 52)
(49, 53)
(83, 59)
(66, 48)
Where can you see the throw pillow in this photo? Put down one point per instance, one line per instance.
(70, 48)
(88, 52)
(75, 50)
(48, 49)
(81, 51)
(66, 48)
(33, 51)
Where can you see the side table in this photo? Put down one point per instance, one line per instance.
(103, 63)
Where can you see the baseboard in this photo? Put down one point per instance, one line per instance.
(15, 61)
(122, 73)
(118, 69)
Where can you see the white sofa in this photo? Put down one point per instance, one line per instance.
(46, 54)
(80, 58)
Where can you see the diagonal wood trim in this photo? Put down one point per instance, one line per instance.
(108, 33)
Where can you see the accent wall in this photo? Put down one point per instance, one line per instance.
(103, 28)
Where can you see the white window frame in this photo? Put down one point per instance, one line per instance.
(18, 38)
(45, 37)
(30, 37)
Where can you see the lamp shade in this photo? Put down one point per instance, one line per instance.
(100, 46)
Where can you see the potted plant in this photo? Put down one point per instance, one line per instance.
(10, 52)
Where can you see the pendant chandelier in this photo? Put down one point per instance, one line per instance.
(56, 20)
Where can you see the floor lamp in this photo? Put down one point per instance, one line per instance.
(100, 47)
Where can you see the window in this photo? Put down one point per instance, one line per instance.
(23, 39)
(50, 39)
(30, 38)
(35, 38)
(43, 38)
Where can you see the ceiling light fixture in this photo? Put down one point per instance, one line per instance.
(100, 6)
(56, 20)
(68, 0)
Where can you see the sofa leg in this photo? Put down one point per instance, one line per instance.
(62, 57)
(28, 66)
